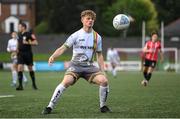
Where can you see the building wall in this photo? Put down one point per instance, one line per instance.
(30, 14)
(5, 11)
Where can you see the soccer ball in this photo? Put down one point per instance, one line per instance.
(121, 22)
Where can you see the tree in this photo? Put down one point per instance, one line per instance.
(140, 10)
(64, 15)
(167, 10)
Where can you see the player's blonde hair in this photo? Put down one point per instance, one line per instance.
(88, 13)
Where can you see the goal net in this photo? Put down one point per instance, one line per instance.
(131, 59)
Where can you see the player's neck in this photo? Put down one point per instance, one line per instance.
(23, 31)
(14, 38)
(154, 41)
(87, 29)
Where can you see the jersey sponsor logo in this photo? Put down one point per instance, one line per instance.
(86, 47)
(80, 58)
(81, 39)
(83, 58)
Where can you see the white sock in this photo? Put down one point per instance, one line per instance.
(24, 78)
(103, 93)
(114, 72)
(56, 95)
(14, 77)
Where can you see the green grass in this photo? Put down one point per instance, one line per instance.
(5, 57)
(127, 98)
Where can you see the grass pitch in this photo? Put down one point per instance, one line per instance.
(127, 97)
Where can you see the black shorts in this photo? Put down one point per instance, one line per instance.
(149, 63)
(25, 58)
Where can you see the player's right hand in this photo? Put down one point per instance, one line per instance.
(25, 42)
(51, 60)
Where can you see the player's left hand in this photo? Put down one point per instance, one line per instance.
(51, 60)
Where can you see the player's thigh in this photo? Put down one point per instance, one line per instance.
(30, 67)
(113, 65)
(145, 68)
(20, 67)
(150, 69)
(14, 67)
(68, 80)
(100, 79)
(152, 66)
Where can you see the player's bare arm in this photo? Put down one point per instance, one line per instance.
(34, 42)
(100, 60)
(57, 53)
(30, 42)
(145, 50)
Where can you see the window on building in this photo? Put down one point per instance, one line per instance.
(13, 9)
(22, 9)
(11, 27)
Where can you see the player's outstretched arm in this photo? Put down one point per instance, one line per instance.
(100, 60)
(146, 50)
(57, 53)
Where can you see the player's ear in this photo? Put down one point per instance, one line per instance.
(82, 19)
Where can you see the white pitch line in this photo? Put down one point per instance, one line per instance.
(6, 96)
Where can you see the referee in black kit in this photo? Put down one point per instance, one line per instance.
(25, 55)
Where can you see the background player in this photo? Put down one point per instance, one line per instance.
(86, 42)
(25, 55)
(114, 59)
(151, 50)
(12, 48)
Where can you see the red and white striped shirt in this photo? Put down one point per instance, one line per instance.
(154, 48)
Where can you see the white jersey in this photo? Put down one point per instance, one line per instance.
(113, 56)
(12, 45)
(83, 45)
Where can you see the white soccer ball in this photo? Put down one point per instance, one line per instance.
(121, 22)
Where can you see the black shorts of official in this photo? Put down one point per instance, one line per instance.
(149, 63)
(25, 58)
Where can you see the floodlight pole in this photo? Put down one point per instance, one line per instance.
(162, 35)
(143, 33)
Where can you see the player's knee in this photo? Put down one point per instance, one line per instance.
(103, 81)
(67, 83)
(20, 68)
(30, 68)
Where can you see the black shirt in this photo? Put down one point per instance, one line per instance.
(24, 47)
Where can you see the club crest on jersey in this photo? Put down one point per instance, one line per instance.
(24, 37)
